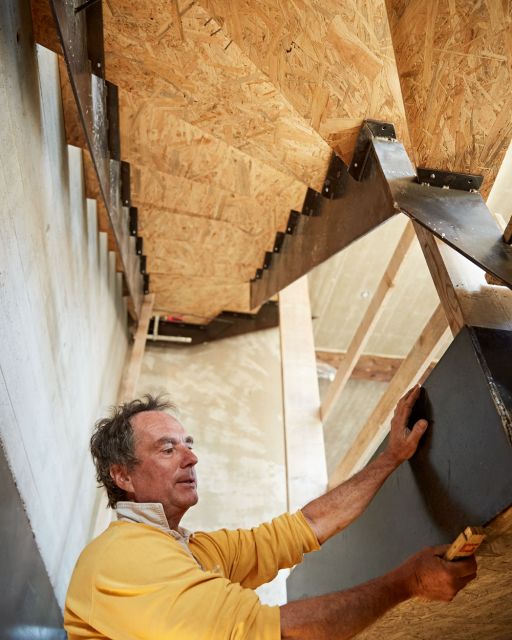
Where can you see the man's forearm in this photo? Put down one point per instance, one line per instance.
(336, 509)
(341, 615)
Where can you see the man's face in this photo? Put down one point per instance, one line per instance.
(166, 469)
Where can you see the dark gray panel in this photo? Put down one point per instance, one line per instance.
(461, 474)
(28, 609)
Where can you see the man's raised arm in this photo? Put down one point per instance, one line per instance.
(336, 509)
(342, 615)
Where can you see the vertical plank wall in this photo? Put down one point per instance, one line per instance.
(62, 316)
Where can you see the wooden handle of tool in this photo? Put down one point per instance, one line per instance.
(466, 543)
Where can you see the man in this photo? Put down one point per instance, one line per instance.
(145, 577)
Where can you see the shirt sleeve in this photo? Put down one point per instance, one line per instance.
(253, 557)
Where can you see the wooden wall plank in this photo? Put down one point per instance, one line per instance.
(464, 293)
(372, 367)
(333, 61)
(455, 65)
(305, 453)
(368, 321)
(133, 365)
(411, 370)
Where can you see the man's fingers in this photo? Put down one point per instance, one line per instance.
(406, 403)
(418, 430)
(465, 568)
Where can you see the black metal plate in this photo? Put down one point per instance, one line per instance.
(459, 218)
(461, 474)
(436, 178)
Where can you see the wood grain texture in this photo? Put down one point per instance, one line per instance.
(441, 278)
(370, 367)
(133, 365)
(455, 65)
(207, 210)
(177, 55)
(332, 61)
(411, 370)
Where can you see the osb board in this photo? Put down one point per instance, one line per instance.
(186, 245)
(481, 611)
(263, 211)
(204, 207)
(43, 25)
(455, 65)
(197, 299)
(332, 60)
(176, 55)
(154, 138)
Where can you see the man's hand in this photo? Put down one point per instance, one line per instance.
(431, 577)
(403, 442)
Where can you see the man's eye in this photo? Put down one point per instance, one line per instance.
(169, 450)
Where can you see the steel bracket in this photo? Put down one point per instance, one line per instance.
(380, 182)
(449, 179)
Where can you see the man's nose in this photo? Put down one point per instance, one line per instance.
(189, 458)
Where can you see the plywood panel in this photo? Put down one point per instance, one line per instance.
(455, 65)
(232, 201)
(333, 61)
(196, 299)
(265, 205)
(179, 56)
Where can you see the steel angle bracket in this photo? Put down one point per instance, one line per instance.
(449, 206)
(344, 210)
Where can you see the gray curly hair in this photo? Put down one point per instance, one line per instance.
(112, 441)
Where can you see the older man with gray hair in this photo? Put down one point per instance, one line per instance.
(146, 577)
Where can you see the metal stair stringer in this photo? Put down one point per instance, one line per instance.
(347, 208)
(380, 182)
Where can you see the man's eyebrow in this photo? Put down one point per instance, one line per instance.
(169, 440)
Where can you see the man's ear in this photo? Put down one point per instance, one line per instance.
(120, 475)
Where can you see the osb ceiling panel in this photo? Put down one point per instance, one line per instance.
(455, 65)
(332, 60)
(177, 57)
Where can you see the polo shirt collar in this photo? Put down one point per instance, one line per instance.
(151, 513)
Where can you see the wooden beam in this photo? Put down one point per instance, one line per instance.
(464, 293)
(373, 367)
(305, 454)
(432, 251)
(407, 375)
(368, 322)
(133, 367)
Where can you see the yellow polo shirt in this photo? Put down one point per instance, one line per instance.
(139, 581)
